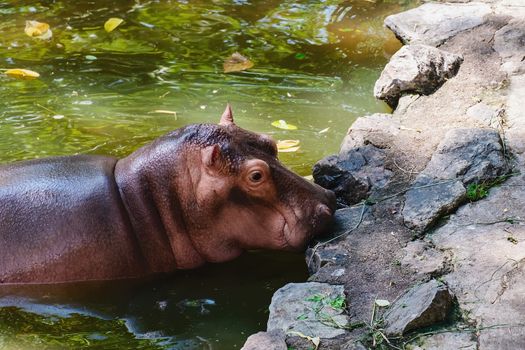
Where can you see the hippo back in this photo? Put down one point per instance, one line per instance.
(62, 219)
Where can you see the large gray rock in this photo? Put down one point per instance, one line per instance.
(509, 43)
(305, 308)
(415, 69)
(464, 156)
(266, 341)
(378, 129)
(354, 174)
(489, 264)
(432, 24)
(323, 255)
(430, 199)
(422, 306)
(472, 155)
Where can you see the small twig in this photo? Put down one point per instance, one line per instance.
(47, 109)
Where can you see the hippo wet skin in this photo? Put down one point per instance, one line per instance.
(202, 193)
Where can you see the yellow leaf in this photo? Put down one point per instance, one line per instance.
(282, 144)
(288, 146)
(22, 73)
(308, 177)
(38, 30)
(289, 150)
(112, 23)
(281, 124)
(164, 111)
(236, 63)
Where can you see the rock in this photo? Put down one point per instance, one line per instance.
(423, 259)
(472, 155)
(378, 129)
(484, 114)
(509, 42)
(463, 341)
(404, 103)
(274, 340)
(489, 264)
(353, 345)
(415, 69)
(464, 156)
(429, 199)
(354, 174)
(305, 308)
(515, 115)
(422, 306)
(323, 256)
(432, 24)
(513, 8)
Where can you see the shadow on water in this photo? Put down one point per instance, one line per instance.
(214, 307)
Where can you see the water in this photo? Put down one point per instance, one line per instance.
(99, 93)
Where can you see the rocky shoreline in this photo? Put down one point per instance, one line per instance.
(427, 250)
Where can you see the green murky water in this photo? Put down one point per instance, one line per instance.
(99, 93)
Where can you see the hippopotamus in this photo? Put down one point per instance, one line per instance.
(202, 193)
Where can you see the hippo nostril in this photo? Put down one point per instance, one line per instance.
(322, 211)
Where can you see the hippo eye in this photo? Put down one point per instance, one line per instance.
(256, 176)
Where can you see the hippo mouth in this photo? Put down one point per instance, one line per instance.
(291, 239)
(319, 223)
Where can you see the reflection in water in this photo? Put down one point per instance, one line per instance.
(219, 305)
(98, 93)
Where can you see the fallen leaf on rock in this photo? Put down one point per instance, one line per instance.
(236, 63)
(22, 73)
(39, 30)
(112, 23)
(382, 303)
(281, 124)
(315, 340)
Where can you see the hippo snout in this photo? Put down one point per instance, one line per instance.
(331, 200)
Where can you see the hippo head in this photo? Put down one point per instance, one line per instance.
(224, 190)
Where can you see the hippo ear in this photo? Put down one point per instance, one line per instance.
(213, 159)
(227, 116)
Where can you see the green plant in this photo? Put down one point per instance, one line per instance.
(475, 191)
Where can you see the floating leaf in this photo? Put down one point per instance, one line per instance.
(289, 150)
(382, 303)
(236, 63)
(281, 124)
(288, 145)
(300, 56)
(112, 23)
(22, 73)
(38, 30)
(163, 111)
(324, 130)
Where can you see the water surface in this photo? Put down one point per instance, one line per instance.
(99, 93)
